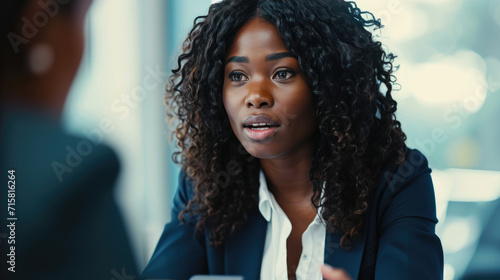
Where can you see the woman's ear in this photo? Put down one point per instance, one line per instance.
(40, 59)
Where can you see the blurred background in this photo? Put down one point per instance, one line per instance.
(449, 99)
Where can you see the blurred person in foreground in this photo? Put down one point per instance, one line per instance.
(292, 156)
(59, 217)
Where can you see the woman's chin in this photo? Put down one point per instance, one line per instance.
(261, 152)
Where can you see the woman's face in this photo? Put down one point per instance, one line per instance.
(266, 97)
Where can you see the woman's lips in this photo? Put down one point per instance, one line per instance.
(259, 133)
(260, 127)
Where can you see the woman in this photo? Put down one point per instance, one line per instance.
(63, 220)
(291, 151)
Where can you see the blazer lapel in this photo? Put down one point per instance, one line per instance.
(244, 248)
(349, 260)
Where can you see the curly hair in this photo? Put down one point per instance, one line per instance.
(351, 78)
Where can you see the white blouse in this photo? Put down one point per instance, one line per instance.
(274, 261)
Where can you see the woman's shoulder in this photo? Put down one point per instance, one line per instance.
(185, 188)
(406, 188)
(396, 176)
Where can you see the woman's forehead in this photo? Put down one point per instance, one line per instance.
(257, 36)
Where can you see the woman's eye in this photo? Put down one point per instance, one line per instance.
(283, 75)
(237, 76)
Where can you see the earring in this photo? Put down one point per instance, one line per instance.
(40, 59)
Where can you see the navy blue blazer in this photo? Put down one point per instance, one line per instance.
(67, 227)
(398, 240)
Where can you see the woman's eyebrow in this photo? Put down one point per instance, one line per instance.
(239, 59)
(276, 56)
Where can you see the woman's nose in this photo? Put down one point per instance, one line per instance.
(259, 95)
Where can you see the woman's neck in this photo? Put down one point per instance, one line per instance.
(288, 177)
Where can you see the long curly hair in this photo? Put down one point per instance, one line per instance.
(351, 77)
